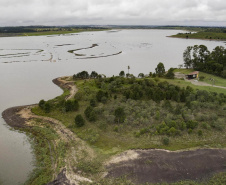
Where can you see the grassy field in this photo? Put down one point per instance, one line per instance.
(202, 35)
(218, 80)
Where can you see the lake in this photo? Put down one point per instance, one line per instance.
(28, 65)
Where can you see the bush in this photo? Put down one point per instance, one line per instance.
(165, 141)
(47, 107)
(191, 124)
(200, 133)
(41, 104)
(90, 114)
(116, 129)
(92, 103)
(170, 74)
(79, 121)
(201, 78)
(189, 130)
(120, 115)
(71, 105)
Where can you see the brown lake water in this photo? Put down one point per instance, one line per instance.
(28, 65)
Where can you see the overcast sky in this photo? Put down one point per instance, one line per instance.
(104, 12)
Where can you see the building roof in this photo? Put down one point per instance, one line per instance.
(194, 73)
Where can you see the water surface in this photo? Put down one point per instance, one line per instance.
(28, 65)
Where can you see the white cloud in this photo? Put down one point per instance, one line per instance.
(63, 12)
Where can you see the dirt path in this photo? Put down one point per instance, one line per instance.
(66, 81)
(196, 82)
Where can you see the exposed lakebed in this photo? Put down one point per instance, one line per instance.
(28, 65)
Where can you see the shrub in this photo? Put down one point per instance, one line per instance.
(41, 104)
(165, 141)
(88, 111)
(120, 115)
(71, 105)
(47, 107)
(116, 129)
(201, 78)
(79, 121)
(200, 133)
(90, 114)
(191, 124)
(170, 74)
(204, 125)
(92, 103)
(189, 130)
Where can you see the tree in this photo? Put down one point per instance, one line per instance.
(120, 115)
(83, 75)
(170, 73)
(187, 57)
(160, 69)
(128, 69)
(79, 121)
(150, 74)
(122, 74)
(93, 74)
(141, 75)
(71, 105)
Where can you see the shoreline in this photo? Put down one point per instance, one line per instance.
(19, 117)
(13, 119)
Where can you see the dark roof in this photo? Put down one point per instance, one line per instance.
(194, 73)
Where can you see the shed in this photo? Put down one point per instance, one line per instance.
(193, 75)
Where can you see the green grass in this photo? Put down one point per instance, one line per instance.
(203, 35)
(43, 137)
(218, 80)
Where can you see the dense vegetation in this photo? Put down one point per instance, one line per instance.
(200, 58)
(118, 109)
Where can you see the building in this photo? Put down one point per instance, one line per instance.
(193, 75)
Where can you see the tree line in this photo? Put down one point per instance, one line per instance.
(200, 58)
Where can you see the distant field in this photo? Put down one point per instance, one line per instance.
(202, 35)
(51, 32)
(59, 32)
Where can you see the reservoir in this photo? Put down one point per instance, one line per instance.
(28, 65)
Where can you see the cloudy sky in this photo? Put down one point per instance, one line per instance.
(104, 12)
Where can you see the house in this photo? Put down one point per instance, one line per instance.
(193, 75)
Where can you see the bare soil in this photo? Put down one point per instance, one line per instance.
(155, 166)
